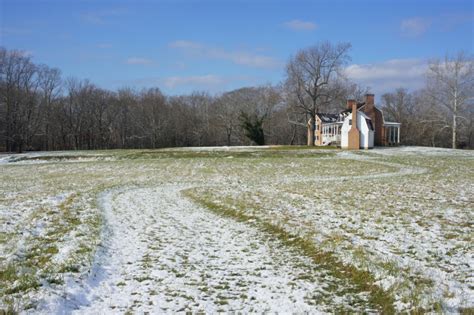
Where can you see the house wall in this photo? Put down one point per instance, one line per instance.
(376, 116)
(345, 134)
(371, 139)
(354, 132)
(318, 132)
(366, 136)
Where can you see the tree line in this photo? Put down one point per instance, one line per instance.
(39, 110)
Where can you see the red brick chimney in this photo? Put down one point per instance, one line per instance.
(369, 101)
(354, 137)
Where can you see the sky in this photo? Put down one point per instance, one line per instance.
(183, 46)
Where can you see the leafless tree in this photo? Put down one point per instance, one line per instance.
(154, 116)
(20, 88)
(50, 89)
(198, 104)
(226, 110)
(40, 111)
(450, 84)
(313, 78)
(127, 101)
(399, 106)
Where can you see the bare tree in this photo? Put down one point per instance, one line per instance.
(256, 108)
(450, 84)
(399, 106)
(198, 103)
(126, 103)
(50, 89)
(20, 88)
(227, 109)
(314, 78)
(36, 113)
(154, 116)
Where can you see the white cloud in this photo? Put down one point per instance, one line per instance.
(101, 17)
(299, 25)
(204, 81)
(212, 83)
(180, 65)
(388, 75)
(185, 44)
(104, 45)
(28, 53)
(415, 26)
(245, 58)
(9, 31)
(239, 57)
(450, 21)
(139, 61)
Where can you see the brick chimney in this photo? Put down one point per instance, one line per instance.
(369, 101)
(354, 136)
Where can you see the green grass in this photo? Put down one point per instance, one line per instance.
(257, 153)
(301, 147)
(362, 280)
(257, 186)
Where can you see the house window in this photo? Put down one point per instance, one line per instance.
(369, 123)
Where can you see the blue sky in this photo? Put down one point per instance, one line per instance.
(181, 46)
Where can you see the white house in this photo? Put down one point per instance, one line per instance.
(365, 128)
(370, 130)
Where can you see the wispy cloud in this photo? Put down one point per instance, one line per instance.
(452, 20)
(415, 26)
(28, 53)
(299, 25)
(102, 16)
(388, 75)
(245, 58)
(139, 61)
(12, 31)
(204, 81)
(104, 45)
(186, 44)
(179, 65)
(213, 83)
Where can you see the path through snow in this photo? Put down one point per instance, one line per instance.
(165, 254)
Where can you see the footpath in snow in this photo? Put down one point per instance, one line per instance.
(162, 253)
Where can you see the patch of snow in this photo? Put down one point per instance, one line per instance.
(161, 253)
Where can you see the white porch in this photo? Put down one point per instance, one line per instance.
(331, 133)
(392, 133)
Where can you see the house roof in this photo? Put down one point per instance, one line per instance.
(363, 105)
(349, 110)
(328, 118)
(364, 115)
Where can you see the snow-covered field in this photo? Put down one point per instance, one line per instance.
(237, 229)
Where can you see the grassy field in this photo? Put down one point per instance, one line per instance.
(384, 230)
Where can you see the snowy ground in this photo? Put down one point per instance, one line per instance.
(237, 229)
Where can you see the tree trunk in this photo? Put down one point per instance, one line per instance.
(311, 131)
(229, 133)
(454, 131)
(20, 147)
(293, 135)
(455, 112)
